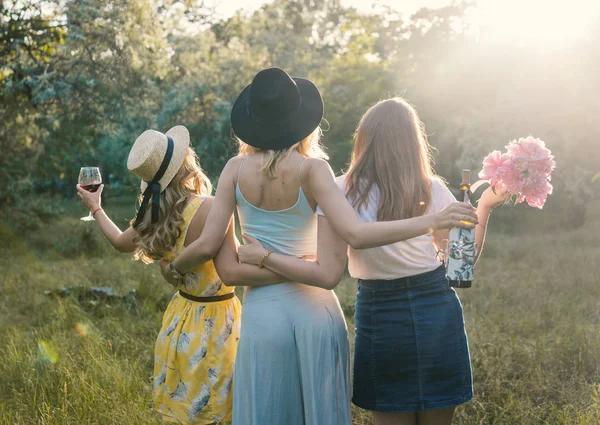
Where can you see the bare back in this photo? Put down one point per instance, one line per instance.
(276, 194)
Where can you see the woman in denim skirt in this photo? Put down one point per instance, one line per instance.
(411, 357)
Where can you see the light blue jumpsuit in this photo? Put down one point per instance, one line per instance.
(293, 359)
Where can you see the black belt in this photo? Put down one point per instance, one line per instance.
(207, 299)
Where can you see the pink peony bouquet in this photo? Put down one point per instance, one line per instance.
(525, 170)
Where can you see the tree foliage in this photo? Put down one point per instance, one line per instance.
(81, 79)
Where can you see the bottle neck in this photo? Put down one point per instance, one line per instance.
(464, 191)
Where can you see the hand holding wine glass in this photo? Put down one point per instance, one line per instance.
(90, 189)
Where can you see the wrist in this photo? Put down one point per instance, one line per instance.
(175, 274)
(266, 255)
(483, 214)
(435, 221)
(483, 211)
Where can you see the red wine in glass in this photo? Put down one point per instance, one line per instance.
(90, 179)
(92, 187)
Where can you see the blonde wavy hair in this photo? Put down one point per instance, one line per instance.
(154, 240)
(309, 147)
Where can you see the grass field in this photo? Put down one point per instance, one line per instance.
(531, 316)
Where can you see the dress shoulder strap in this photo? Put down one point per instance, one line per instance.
(300, 172)
(240, 171)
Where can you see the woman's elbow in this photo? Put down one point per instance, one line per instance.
(330, 280)
(329, 284)
(351, 238)
(228, 276)
(355, 240)
(206, 251)
(359, 245)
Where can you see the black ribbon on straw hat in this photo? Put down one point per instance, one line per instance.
(153, 188)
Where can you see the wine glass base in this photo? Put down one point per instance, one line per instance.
(87, 218)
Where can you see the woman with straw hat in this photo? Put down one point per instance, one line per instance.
(196, 347)
(293, 359)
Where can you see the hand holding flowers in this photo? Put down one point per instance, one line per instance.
(524, 171)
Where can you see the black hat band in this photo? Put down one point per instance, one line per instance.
(153, 188)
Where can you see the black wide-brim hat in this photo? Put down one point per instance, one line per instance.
(276, 111)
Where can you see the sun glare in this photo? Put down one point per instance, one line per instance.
(516, 20)
(535, 20)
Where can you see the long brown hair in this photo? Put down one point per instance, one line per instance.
(391, 152)
(309, 147)
(153, 240)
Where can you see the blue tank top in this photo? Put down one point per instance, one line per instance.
(291, 231)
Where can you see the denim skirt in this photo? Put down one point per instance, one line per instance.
(410, 346)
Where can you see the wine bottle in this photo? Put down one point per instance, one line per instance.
(461, 250)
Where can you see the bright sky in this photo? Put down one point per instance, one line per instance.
(536, 20)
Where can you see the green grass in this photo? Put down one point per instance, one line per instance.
(531, 317)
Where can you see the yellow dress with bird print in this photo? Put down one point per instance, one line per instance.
(194, 356)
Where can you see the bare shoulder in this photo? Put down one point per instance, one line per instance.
(230, 171)
(234, 161)
(317, 166)
(233, 165)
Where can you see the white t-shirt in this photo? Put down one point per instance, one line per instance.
(407, 258)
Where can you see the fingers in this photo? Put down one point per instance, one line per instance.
(462, 206)
(464, 225)
(80, 189)
(100, 189)
(469, 218)
(463, 214)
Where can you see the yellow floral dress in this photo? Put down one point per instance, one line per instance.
(195, 350)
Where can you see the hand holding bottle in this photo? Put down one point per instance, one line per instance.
(457, 214)
(461, 249)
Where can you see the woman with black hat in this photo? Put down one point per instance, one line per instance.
(411, 357)
(292, 366)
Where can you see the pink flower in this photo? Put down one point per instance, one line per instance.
(530, 147)
(492, 165)
(512, 175)
(537, 191)
(525, 170)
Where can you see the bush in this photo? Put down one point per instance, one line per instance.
(29, 212)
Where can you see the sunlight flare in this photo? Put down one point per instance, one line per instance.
(47, 353)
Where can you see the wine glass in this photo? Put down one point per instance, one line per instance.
(90, 180)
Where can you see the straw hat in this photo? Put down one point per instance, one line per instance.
(148, 152)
